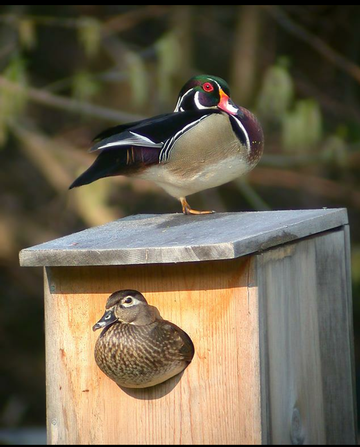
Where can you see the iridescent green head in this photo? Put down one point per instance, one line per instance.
(206, 92)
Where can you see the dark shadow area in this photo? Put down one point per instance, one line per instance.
(154, 392)
(152, 277)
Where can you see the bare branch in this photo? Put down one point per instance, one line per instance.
(319, 186)
(70, 105)
(89, 203)
(130, 19)
(315, 42)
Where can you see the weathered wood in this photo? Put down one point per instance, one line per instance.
(216, 401)
(267, 305)
(306, 350)
(173, 238)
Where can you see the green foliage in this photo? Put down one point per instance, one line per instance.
(27, 33)
(89, 33)
(299, 122)
(302, 127)
(12, 102)
(335, 149)
(84, 86)
(169, 62)
(138, 78)
(276, 94)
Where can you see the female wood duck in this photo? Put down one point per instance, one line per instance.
(137, 348)
(207, 141)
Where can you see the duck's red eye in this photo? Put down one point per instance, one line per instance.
(208, 87)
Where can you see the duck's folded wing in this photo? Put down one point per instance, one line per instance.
(152, 132)
(179, 344)
(127, 149)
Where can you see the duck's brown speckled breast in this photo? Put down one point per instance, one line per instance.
(139, 356)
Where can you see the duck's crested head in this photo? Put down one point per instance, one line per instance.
(125, 299)
(206, 92)
(206, 82)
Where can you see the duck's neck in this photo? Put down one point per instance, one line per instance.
(147, 316)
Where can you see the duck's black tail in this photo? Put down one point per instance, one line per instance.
(108, 163)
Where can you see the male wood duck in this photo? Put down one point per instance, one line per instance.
(137, 348)
(207, 141)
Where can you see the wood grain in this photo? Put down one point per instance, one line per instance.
(306, 343)
(215, 401)
(272, 332)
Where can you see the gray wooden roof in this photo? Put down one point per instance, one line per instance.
(172, 238)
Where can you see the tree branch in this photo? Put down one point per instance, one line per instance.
(315, 42)
(70, 105)
(284, 178)
(88, 203)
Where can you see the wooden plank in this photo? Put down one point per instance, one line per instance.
(174, 238)
(307, 383)
(217, 399)
(336, 338)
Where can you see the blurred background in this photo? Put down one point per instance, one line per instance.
(68, 72)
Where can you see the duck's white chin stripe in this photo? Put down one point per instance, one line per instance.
(178, 107)
(243, 130)
(197, 102)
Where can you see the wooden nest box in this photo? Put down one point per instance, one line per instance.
(264, 296)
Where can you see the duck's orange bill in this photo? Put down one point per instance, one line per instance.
(226, 104)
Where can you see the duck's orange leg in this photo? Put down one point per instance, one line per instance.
(188, 210)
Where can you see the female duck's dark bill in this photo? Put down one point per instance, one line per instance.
(107, 319)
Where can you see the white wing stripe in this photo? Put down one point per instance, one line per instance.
(169, 144)
(138, 140)
(142, 137)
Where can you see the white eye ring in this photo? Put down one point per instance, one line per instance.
(128, 300)
(108, 316)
